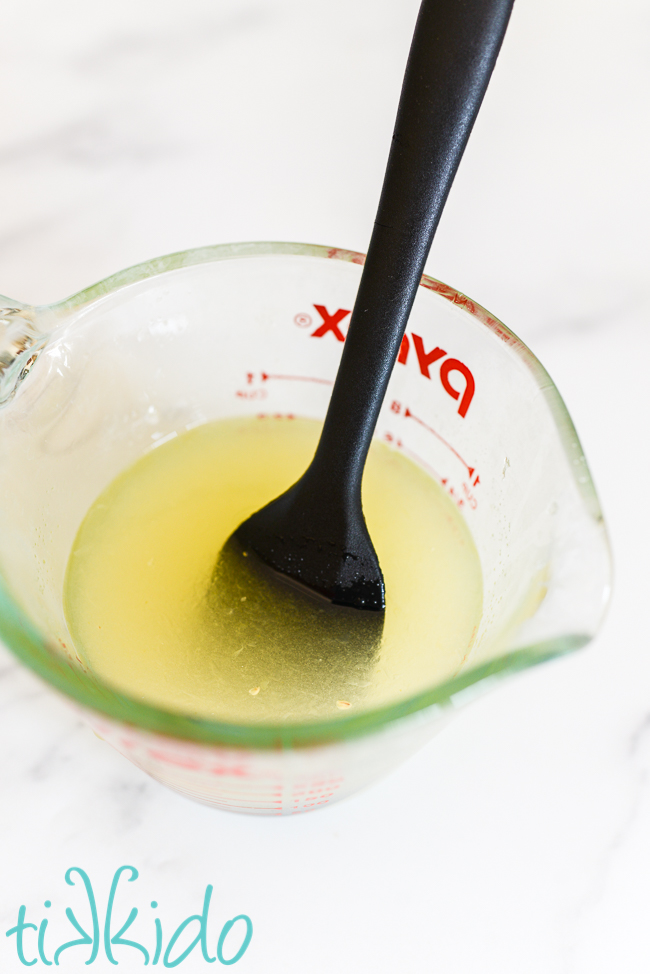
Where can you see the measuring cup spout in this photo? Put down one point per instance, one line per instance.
(23, 334)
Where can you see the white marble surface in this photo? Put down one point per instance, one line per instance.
(519, 840)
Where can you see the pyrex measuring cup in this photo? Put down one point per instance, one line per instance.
(91, 384)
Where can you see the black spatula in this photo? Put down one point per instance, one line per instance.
(315, 533)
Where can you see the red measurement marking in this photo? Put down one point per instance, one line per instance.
(471, 500)
(408, 413)
(220, 769)
(180, 761)
(251, 393)
(276, 415)
(297, 378)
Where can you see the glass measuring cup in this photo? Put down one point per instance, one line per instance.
(89, 385)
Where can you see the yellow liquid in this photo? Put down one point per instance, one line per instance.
(150, 616)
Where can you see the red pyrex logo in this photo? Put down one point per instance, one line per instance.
(425, 359)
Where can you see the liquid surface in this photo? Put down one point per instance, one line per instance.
(157, 612)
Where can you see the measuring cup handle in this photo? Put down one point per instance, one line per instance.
(23, 333)
(454, 49)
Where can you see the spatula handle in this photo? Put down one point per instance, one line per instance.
(454, 49)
